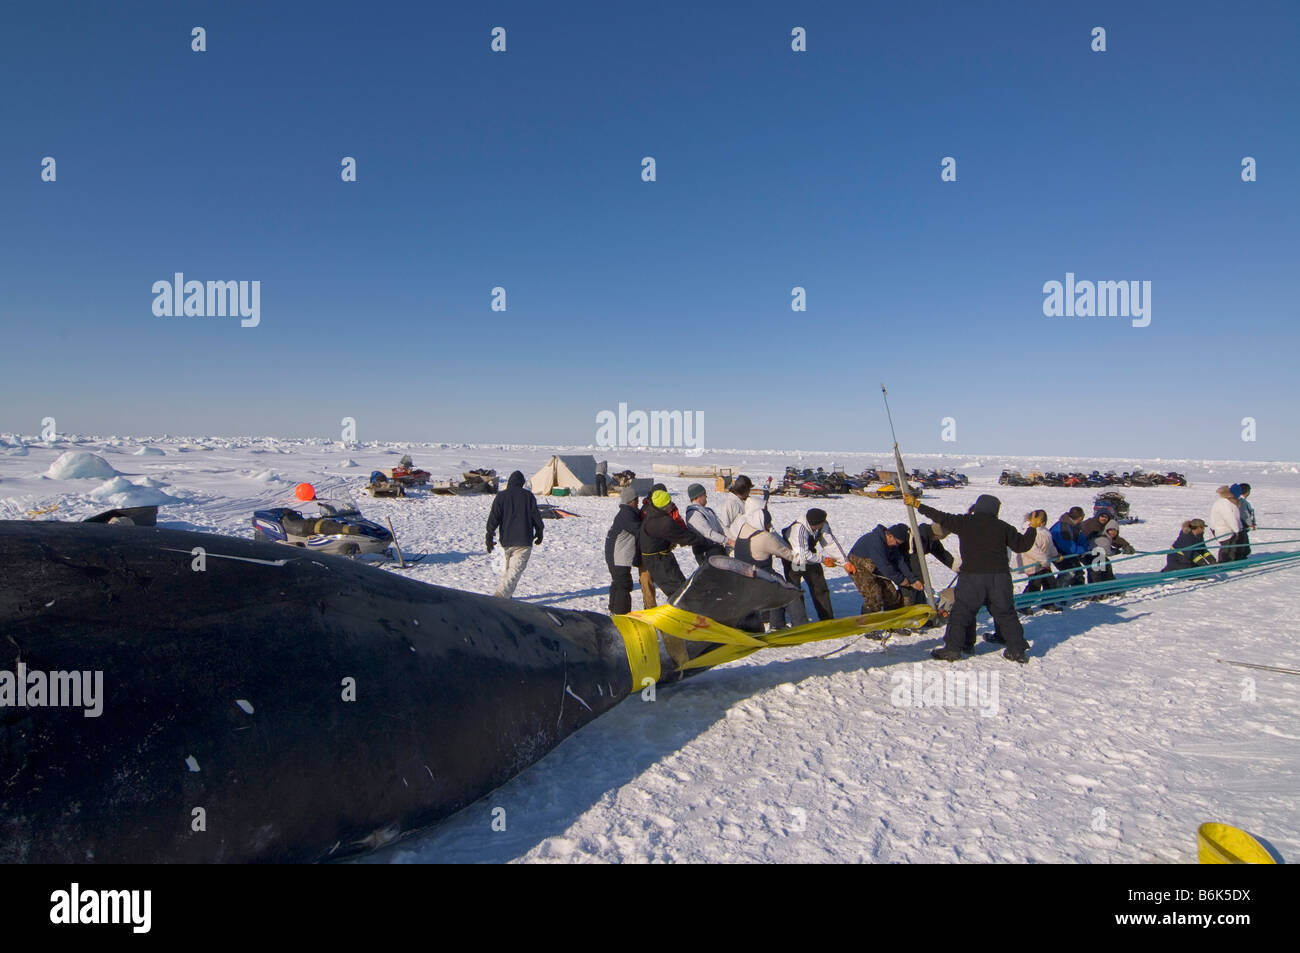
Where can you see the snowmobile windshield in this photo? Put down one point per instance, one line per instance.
(338, 503)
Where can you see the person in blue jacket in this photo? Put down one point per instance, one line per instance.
(888, 579)
(1072, 545)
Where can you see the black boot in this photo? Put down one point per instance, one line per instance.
(946, 654)
(1016, 655)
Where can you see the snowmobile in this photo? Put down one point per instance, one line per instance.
(802, 483)
(407, 473)
(921, 479)
(1014, 478)
(398, 480)
(840, 482)
(340, 529)
(890, 491)
(1113, 502)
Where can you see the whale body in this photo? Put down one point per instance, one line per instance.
(258, 704)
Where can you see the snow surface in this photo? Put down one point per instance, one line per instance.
(1118, 739)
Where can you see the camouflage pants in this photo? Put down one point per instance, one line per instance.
(878, 593)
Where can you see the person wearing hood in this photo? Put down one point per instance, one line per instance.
(1072, 545)
(1094, 532)
(985, 576)
(1094, 526)
(757, 545)
(730, 504)
(803, 536)
(514, 511)
(662, 528)
(1225, 523)
(622, 552)
(1190, 550)
(883, 573)
(701, 518)
(1106, 545)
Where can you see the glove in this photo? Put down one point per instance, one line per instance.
(911, 500)
(947, 599)
(850, 568)
(829, 562)
(537, 540)
(490, 544)
(1127, 550)
(798, 564)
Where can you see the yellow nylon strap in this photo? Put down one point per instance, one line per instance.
(907, 617)
(692, 626)
(640, 636)
(642, 644)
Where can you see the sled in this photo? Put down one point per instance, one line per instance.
(1224, 844)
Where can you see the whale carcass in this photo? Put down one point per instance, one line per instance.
(185, 697)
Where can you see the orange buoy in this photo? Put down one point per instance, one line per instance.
(305, 492)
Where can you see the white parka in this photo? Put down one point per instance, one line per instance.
(726, 507)
(1225, 517)
(1040, 556)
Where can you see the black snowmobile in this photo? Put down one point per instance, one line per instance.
(340, 529)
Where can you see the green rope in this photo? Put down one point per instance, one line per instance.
(1265, 561)
(1254, 544)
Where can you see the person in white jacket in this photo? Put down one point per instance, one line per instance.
(730, 506)
(1037, 562)
(1225, 523)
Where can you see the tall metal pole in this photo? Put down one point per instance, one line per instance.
(911, 513)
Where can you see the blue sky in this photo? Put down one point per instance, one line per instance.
(775, 169)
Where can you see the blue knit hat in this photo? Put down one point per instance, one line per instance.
(1235, 489)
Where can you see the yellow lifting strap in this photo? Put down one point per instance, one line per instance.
(639, 635)
(642, 644)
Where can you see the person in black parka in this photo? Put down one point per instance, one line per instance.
(662, 529)
(985, 576)
(1191, 546)
(514, 512)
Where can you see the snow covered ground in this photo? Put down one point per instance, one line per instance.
(1119, 738)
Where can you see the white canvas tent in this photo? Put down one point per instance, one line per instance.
(575, 473)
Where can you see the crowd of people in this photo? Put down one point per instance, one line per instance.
(884, 564)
